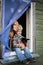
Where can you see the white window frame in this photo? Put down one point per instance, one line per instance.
(31, 27)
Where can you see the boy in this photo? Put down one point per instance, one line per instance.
(18, 45)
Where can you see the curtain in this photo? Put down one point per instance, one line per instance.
(12, 10)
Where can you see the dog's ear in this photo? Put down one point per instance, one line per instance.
(24, 40)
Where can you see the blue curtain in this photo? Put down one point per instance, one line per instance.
(12, 10)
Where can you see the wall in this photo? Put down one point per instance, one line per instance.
(39, 32)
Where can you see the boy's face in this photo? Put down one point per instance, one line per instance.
(15, 26)
(19, 32)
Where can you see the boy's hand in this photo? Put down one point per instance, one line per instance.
(21, 45)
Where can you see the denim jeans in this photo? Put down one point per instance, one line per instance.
(21, 56)
(27, 53)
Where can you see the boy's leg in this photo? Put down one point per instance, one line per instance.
(27, 53)
(19, 54)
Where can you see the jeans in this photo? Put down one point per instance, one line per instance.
(27, 53)
(21, 56)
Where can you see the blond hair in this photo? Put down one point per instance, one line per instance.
(20, 28)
